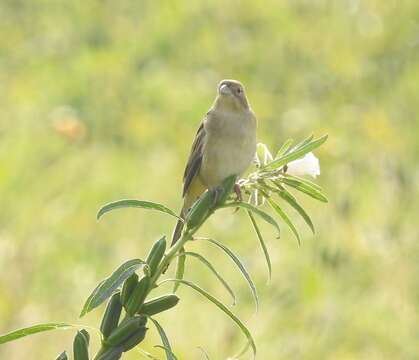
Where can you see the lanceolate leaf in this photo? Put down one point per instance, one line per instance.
(106, 288)
(135, 204)
(222, 307)
(214, 271)
(304, 181)
(284, 148)
(285, 217)
(17, 334)
(269, 219)
(293, 202)
(166, 344)
(262, 243)
(302, 143)
(305, 188)
(62, 356)
(295, 153)
(239, 264)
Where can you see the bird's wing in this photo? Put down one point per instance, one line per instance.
(195, 159)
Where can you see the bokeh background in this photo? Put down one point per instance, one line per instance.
(100, 100)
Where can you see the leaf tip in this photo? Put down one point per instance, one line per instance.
(100, 213)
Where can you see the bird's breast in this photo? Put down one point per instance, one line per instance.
(229, 147)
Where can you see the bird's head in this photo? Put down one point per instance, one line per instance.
(231, 94)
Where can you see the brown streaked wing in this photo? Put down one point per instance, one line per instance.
(195, 159)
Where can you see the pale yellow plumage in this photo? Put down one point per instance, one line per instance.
(224, 145)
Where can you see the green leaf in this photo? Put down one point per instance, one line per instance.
(214, 271)
(164, 348)
(166, 344)
(305, 188)
(295, 154)
(262, 243)
(304, 181)
(17, 334)
(222, 307)
(269, 219)
(284, 217)
(62, 356)
(284, 194)
(302, 143)
(284, 148)
(135, 204)
(106, 288)
(180, 267)
(239, 264)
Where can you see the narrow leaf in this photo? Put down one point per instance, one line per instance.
(304, 181)
(284, 148)
(284, 194)
(164, 339)
(239, 264)
(106, 288)
(164, 348)
(222, 307)
(180, 268)
(62, 356)
(305, 188)
(17, 334)
(302, 143)
(295, 153)
(135, 204)
(284, 217)
(214, 271)
(269, 219)
(262, 243)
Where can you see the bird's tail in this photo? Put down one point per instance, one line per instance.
(177, 233)
(195, 190)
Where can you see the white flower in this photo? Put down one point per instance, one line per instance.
(307, 165)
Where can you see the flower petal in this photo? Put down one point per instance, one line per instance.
(307, 165)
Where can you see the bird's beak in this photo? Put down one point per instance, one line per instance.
(225, 90)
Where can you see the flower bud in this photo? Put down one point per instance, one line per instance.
(138, 296)
(112, 314)
(156, 254)
(159, 304)
(80, 347)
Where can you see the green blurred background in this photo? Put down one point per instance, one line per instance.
(100, 100)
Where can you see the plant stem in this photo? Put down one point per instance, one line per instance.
(169, 256)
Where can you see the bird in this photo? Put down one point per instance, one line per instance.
(224, 145)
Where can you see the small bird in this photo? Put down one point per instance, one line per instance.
(224, 145)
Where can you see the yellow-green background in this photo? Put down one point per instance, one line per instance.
(100, 100)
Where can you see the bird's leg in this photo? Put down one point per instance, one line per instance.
(238, 192)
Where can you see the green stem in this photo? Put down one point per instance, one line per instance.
(169, 256)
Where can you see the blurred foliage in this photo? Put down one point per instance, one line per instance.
(100, 100)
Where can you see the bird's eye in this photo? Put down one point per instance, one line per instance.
(239, 90)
